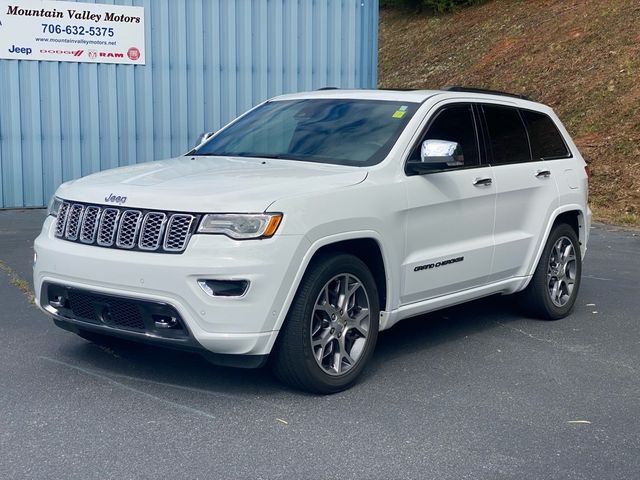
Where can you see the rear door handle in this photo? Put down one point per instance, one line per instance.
(479, 181)
(543, 173)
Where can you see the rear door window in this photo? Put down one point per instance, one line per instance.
(546, 140)
(508, 140)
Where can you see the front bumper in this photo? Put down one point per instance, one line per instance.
(223, 325)
(191, 346)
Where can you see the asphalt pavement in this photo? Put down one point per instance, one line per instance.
(471, 392)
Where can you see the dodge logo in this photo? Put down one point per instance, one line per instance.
(75, 53)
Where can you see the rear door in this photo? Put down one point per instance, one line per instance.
(449, 233)
(526, 190)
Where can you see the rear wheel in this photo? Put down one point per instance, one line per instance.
(332, 326)
(552, 292)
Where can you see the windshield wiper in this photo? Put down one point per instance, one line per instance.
(276, 156)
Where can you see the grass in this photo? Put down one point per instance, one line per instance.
(581, 57)
(630, 219)
(19, 283)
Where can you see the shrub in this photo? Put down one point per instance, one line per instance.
(439, 6)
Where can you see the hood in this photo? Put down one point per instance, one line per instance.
(209, 184)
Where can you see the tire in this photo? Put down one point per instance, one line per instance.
(318, 329)
(540, 299)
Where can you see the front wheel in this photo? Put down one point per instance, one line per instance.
(552, 292)
(332, 326)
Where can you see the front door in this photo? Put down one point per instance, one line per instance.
(449, 232)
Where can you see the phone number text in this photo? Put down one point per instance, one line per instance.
(57, 29)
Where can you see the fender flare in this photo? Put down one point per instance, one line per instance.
(323, 242)
(582, 222)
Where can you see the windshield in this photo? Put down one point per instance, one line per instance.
(343, 132)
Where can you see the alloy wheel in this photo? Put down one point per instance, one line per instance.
(340, 324)
(561, 272)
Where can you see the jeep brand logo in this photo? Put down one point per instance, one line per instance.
(75, 53)
(23, 50)
(115, 199)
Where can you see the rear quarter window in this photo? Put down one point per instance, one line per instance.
(546, 141)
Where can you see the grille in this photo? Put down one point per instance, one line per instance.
(82, 307)
(114, 311)
(107, 227)
(152, 228)
(90, 224)
(73, 222)
(62, 219)
(177, 232)
(128, 229)
(123, 228)
(109, 310)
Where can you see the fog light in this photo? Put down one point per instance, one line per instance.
(57, 301)
(165, 321)
(224, 288)
(105, 315)
(57, 297)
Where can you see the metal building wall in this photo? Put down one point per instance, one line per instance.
(207, 62)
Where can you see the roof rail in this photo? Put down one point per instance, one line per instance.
(459, 88)
(328, 88)
(401, 89)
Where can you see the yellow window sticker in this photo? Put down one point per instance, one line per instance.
(399, 113)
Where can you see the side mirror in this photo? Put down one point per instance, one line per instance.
(204, 136)
(442, 151)
(437, 155)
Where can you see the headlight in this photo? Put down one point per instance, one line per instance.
(241, 226)
(54, 206)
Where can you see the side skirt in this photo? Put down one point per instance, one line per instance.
(504, 287)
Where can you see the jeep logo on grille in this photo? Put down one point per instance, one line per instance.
(119, 199)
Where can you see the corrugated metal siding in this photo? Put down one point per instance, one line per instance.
(207, 62)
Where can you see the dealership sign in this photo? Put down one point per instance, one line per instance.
(71, 32)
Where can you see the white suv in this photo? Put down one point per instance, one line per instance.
(315, 220)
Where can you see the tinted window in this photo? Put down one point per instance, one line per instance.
(507, 135)
(341, 131)
(454, 124)
(546, 140)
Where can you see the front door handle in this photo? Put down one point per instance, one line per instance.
(480, 181)
(544, 173)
